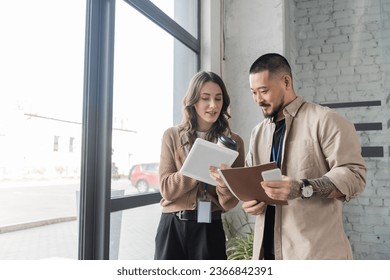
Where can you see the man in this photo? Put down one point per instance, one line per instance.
(319, 153)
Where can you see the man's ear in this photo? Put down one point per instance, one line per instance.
(287, 80)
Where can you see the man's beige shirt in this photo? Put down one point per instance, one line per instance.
(318, 142)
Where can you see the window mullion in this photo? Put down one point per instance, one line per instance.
(95, 185)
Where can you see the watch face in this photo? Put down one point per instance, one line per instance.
(307, 191)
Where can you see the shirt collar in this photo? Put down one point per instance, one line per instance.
(293, 108)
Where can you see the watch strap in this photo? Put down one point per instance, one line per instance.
(306, 182)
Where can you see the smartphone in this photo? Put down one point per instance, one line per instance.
(272, 175)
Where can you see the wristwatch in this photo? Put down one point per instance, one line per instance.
(306, 189)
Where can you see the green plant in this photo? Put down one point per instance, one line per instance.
(240, 247)
(239, 235)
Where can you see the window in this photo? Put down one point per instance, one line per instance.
(152, 60)
(41, 92)
(148, 64)
(44, 89)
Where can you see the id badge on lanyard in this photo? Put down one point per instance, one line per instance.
(204, 208)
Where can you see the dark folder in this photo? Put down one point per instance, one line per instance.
(244, 182)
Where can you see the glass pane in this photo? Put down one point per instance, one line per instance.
(152, 71)
(41, 69)
(183, 12)
(149, 67)
(133, 231)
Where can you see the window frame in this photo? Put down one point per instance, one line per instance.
(96, 204)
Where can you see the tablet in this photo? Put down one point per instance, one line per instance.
(204, 154)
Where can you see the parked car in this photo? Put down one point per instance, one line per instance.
(144, 176)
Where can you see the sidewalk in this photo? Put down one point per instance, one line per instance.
(38, 220)
(26, 202)
(60, 240)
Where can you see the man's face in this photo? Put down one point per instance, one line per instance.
(268, 92)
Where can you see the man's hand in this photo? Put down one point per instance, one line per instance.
(286, 189)
(254, 207)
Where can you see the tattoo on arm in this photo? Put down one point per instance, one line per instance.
(323, 187)
(295, 190)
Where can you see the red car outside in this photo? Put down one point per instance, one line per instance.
(144, 176)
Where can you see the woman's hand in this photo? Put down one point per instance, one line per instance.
(213, 170)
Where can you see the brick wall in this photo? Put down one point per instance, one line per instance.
(340, 54)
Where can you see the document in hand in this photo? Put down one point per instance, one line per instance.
(244, 182)
(204, 154)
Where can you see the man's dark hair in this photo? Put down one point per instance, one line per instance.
(273, 62)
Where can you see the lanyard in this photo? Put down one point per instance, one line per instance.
(205, 191)
(279, 151)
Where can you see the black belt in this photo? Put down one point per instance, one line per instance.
(192, 215)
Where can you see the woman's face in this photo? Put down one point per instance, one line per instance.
(209, 105)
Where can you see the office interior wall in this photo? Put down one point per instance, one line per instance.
(211, 34)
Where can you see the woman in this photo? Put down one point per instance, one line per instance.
(179, 235)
